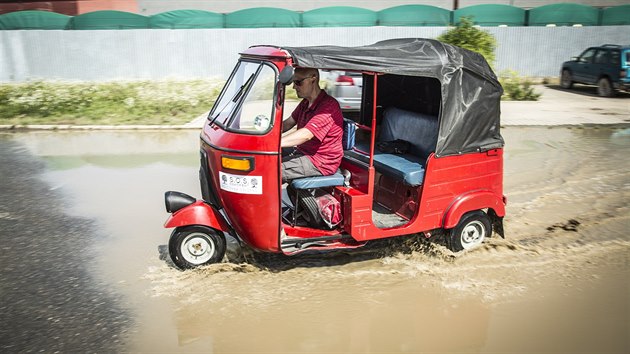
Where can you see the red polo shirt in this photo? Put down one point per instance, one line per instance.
(325, 121)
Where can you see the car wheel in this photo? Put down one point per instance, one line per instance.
(604, 87)
(471, 230)
(566, 80)
(194, 246)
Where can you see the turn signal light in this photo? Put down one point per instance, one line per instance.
(237, 163)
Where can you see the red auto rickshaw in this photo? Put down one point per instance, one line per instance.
(423, 155)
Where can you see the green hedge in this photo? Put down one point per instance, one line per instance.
(110, 103)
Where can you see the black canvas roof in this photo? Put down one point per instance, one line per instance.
(471, 93)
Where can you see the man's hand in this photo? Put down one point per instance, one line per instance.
(296, 138)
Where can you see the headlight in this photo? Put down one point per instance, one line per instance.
(176, 200)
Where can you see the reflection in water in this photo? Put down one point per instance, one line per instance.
(540, 289)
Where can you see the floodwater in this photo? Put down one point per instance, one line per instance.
(559, 282)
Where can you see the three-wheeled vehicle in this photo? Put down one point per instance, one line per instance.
(424, 155)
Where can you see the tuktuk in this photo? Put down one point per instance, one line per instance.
(441, 101)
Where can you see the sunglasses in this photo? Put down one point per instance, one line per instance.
(299, 82)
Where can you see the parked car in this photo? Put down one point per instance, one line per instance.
(605, 66)
(346, 87)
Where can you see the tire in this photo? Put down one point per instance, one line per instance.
(471, 231)
(604, 87)
(309, 204)
(194, 246)
(566, 80)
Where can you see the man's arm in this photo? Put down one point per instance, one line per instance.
(296, 138)
(288, 124)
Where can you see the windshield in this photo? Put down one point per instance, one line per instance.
(246, 103)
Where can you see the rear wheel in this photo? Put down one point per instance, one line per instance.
(194, 246)
(471, 231)
(604, 87)
(566, 80)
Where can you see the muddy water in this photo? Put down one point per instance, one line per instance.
(559, 282)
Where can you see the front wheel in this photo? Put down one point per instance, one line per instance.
(471, 230)
(604, 87)
(194, 246)
(566, 81)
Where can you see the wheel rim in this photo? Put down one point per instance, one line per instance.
(473, 234)
(197, 248)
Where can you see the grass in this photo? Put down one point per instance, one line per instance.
(109, 103)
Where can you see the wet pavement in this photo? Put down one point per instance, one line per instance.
(84, 267)
(49, 300)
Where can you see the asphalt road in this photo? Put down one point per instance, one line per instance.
(50, 301)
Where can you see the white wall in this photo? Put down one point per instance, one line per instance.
(203, 53)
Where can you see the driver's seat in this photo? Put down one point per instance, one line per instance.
(302, 192)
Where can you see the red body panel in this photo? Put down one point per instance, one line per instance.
(473, 201)
(198, 213)
(266, 51)
(453, 185)
(458, 184)
(255, 218)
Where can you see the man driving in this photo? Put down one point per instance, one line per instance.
(315, 147)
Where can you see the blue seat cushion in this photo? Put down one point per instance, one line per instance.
(408, 168)
(336, 179)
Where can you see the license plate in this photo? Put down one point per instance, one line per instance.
(240, 184)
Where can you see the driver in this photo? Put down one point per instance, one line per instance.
(315, 148)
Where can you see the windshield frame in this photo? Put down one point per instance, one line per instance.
(225, 123)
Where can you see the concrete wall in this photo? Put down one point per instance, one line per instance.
(204, 53)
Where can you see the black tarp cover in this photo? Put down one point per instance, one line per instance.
(471, 93)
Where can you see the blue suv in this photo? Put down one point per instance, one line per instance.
(605, 66)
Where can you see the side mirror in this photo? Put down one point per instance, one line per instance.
(286, 75)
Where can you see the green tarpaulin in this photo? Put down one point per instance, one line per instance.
(414, 15)
(616, 16)
(187, 19)
(564, 14)
(26, 20)
(108, 19)
(258, 17)
(491, 15)
(339, 16)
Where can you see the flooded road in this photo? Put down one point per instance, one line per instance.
(559, 282)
